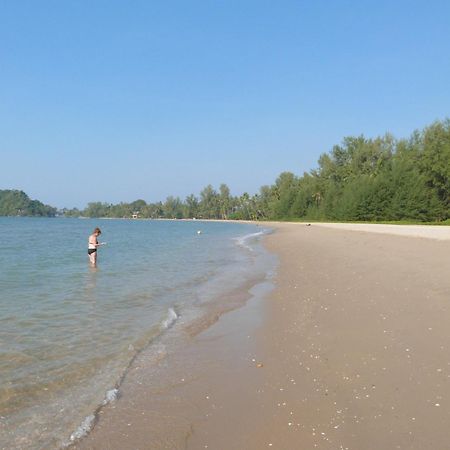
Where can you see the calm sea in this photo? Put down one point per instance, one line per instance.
(68, 332)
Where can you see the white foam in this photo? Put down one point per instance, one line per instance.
(242, 240)
(172, 317)
(88, 423)
(111, 396)
(83, 429)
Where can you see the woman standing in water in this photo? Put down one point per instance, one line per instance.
(92, 246)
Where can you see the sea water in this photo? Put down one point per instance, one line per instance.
(68, 331)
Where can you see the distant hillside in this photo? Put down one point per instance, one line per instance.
(17, 203)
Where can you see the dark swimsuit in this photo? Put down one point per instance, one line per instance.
(91, 250)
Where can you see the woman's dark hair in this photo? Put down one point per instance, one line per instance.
(97, 230)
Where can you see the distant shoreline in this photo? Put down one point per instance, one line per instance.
(423, 230)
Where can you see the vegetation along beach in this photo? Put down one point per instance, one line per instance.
(362, 179)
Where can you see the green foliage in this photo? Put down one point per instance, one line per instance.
(372, 180)
(209, 207)
(191, 206)
(17, 203)
(381, 179)
(173, 208)
(284, 194)
(224, 201)
(435, 161)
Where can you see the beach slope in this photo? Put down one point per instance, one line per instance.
(351, 350)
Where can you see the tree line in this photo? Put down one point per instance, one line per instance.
(381, 179)
(17, 203)
(361, 179)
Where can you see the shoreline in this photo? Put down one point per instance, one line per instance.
(170, 289)
(249, 283)
(348, 351)
(157, 379)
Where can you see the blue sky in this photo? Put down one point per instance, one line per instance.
(114, 101)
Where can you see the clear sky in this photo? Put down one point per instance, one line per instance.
(119, 100)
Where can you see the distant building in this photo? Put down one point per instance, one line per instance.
(135, 215)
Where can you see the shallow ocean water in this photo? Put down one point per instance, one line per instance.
(68, 332)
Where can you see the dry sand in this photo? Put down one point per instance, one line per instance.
(423, 231)
(350, 351)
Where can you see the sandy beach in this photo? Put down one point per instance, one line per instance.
(350, 350)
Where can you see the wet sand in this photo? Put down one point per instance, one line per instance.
(351, 350)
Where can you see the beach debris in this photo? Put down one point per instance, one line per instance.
(259, 365)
